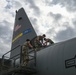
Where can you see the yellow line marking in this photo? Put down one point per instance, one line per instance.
(18, 36)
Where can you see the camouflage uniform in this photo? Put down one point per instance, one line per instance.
(37, 43)
(25, 57)
(50, 41)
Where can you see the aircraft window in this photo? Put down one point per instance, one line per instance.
(20, 18)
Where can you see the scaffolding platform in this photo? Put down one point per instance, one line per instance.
(8, 69)
(20, 70)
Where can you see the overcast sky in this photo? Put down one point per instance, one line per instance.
(55, 18)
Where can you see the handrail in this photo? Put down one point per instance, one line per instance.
(12, 49)
(13, 58)
(19, 55)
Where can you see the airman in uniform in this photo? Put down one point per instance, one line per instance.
(39, 41)
(47, 40)
(25, 57)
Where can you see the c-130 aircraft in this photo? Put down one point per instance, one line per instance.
(56, 59)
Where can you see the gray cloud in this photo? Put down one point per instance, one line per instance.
(3, 48)
(33, 20)
(17, 4)
(50, 31)
(69, 4)
(34, 24)
(8, 0)
(9, 4)
(5, 36)
(74, 22)
(8, 8)
(65, 34)
(5, 31)
(5, 24)
(55, 16)
(33, 5)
